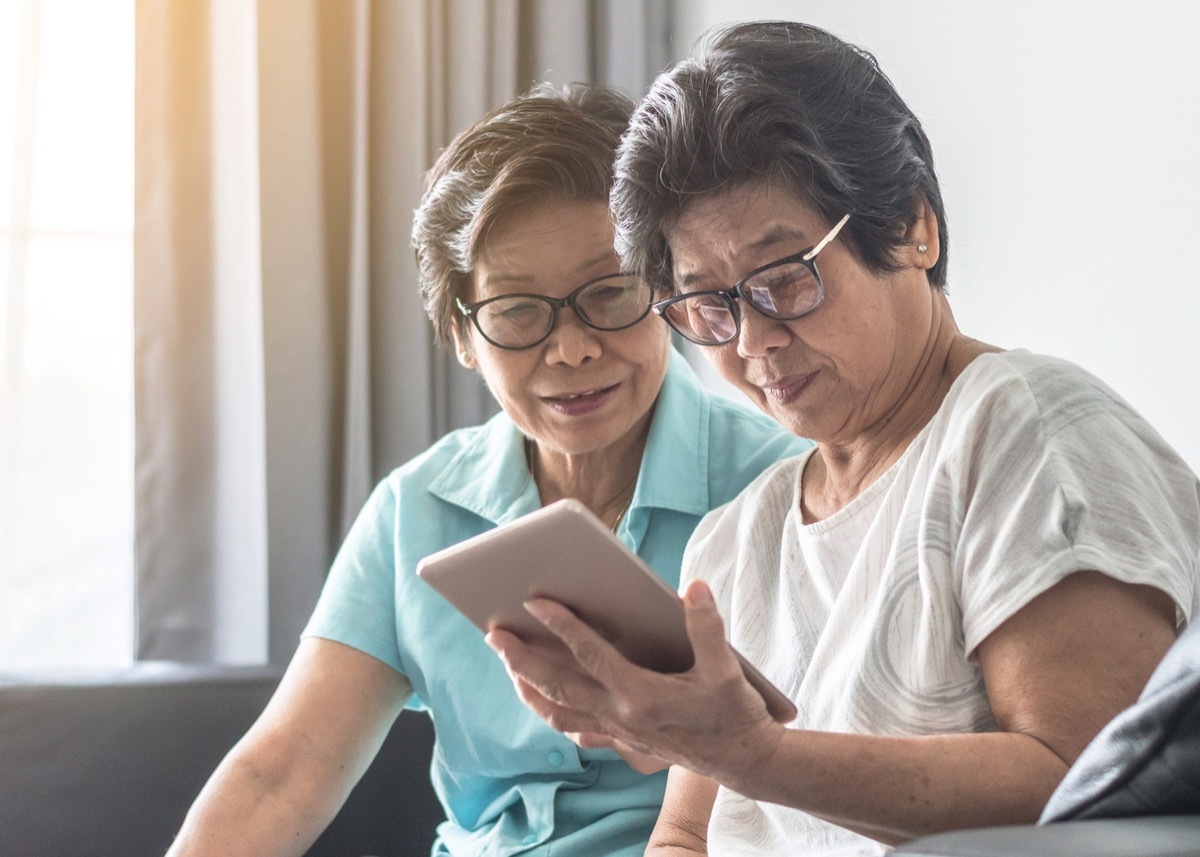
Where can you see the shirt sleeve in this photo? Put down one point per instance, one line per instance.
(357, 603)
(1058, 475)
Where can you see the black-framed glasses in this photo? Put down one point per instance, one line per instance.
(785, 290)
(611, 302)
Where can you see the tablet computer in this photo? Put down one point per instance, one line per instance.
(565, 553)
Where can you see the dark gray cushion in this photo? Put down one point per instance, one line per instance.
(110, 767)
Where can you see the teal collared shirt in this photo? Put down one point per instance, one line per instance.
(509, 783)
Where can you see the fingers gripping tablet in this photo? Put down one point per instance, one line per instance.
(564, 553)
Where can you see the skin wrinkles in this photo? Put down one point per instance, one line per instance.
(882, 348)
(499, 280)
(586, 396)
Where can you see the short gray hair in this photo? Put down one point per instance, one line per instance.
(781, 102)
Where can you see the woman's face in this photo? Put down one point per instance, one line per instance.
(580, 390)
(834, 374)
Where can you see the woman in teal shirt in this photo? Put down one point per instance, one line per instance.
(518, 271)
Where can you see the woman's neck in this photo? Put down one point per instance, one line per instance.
(839, 472)
(603, 480)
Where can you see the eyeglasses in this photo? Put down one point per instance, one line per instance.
(785, 290)
(612, 302)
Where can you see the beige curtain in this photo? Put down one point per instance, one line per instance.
(284, 363)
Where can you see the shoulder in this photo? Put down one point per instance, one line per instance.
(1049, 471)
(742, 440)
(407, 483)
(1024, 400)
(728, 416)
(1054, 389)
(704, 448)
(448, 447)
(1039, 432)
(768, 497)
(462, 465)
(734, 536)
(745, 443)
(749, 430)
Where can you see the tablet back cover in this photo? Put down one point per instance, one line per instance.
(565, 553)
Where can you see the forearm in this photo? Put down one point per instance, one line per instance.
(682, 827)
(247, 808)
(893, 789)
(1051, 686)
(287, 778)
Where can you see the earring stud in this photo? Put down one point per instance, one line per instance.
(921, 248)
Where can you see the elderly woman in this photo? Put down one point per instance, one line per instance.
(518, 270)
(980, 562)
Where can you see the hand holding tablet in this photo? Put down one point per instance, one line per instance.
(564, 553)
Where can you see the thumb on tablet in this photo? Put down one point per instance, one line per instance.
(705, 628)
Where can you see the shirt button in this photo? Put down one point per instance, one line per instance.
(555, 758)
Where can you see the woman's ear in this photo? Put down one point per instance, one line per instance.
(921, 245)
(462, 345)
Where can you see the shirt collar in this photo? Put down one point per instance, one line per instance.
(489, 475)
(674, 472)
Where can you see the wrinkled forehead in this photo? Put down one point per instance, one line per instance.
(545, 247)
(723, 232)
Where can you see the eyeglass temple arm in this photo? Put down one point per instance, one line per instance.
(811, 254)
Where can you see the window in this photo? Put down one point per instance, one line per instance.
(66, 334)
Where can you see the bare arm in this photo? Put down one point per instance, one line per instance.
(286, 779)
(1056, 671)
(682, 828)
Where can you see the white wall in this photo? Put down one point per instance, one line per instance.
(1067, 139)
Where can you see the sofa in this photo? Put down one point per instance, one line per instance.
(100, 768)
(107, 767)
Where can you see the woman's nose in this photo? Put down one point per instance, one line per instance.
(571, 341)
(759, 335)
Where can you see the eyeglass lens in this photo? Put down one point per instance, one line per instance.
(520, 321)
(784, 291)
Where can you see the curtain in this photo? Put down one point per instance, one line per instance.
(283, 360)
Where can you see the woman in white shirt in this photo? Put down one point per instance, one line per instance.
(977, 567)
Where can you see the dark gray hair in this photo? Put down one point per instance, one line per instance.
(547, 144)
(780, 102)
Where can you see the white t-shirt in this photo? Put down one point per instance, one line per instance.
(1031, 469)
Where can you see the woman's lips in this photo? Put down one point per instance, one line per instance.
(787, 390)
(583, 402)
